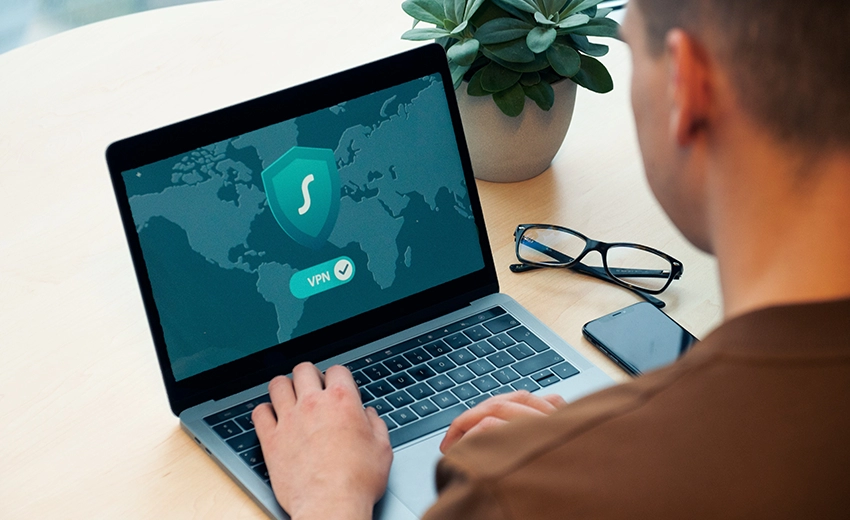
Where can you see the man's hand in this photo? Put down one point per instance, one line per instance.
(327, 457)
(499, 410)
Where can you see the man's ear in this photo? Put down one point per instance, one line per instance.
(689, 84)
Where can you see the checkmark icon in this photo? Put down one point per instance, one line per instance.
(344, 270)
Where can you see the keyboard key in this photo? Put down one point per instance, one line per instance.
(400, 381)
(521, 351)
(403, 416)
(227, 429)
(565, 370)
(457, 340)
(380, 406)
(549, 380)
(538, 362)
(501, 341)
(235, 411)
(441, 382)
(245, 422)
(365, 396)
(376, 372)
(481, 367)
(360, 378)
(438, 348)
(262, 471)
(523, 334)
(502, 390)
(501, 323)
(477, 400)
(244, 441)
(445, 399)
(397, 364)
(539, 376)
(417, 356)
(424, 408)
(482, 348)
(501, 359)
(460, 375)
(505, 375)
(425, 426)
(420, 373)
(485, 383)
(441, 364)
(525, 384)
(389, 422)
(461, 356)
(380, 388)
(476, 333)
(253, 456)
(420, 391)
(465, 391)
(399, 399)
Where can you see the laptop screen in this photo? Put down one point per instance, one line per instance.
(255, 240)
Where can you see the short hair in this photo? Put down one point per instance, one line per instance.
(789, 61)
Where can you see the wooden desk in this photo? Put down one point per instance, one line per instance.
(85, 428)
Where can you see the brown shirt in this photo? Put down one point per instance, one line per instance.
(754, 422)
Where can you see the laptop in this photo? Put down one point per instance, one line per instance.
(336, 222)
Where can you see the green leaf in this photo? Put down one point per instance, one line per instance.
(516, 51)
(541, 93)
(418, 35)
(540, 38)
(573, 21)
(502, 30)
(464, 52)
(602, 13)
(457, 72)
(577, 6)
(458, 7)
(551, 7)
(471, 8)
(598, 27)
(583, 44)
(512, 11)
(474, 88)
(529, 78)
(459, 29)
(523, 5)
(537, 64)
(594, 76)
(495, 78)
(429, 11)
(510, 101)
(564, 59)
(539, 18)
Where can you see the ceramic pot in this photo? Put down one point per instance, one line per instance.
(511, 149)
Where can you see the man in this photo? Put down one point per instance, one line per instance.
(743, 116)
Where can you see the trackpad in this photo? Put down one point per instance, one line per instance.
(412, 475)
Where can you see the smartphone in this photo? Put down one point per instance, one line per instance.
(639, 338)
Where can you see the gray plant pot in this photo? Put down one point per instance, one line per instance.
(511, 149)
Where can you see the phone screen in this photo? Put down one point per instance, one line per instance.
(639, 338)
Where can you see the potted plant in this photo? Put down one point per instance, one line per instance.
(502, 52)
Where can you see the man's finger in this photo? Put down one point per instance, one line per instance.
(339, 375)
(528, 399)
(281, 392)
(379, 427)
(264, 420)
(499, 408)
(555, 400)
(486, 424)
(306, 379)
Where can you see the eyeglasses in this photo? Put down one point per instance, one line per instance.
(641, 269)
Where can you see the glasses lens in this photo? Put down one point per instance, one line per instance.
(549, 246)
(642, 269)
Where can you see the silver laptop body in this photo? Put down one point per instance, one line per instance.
(336, 222)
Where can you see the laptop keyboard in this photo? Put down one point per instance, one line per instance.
(421, 385)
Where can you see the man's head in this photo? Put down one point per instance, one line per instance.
(705, 69)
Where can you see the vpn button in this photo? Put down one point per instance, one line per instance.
(319, 278)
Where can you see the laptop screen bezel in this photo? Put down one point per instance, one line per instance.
(188, 135)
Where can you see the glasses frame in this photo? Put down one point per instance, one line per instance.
(606, 273)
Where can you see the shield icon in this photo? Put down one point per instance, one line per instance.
(303, 190)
